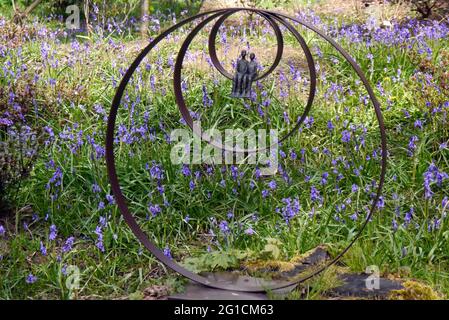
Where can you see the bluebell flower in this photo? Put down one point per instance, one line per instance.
(31, 279)
(110, 199)
(418, 124)
(224, 228)
(101, 205)
(207, 101)
(433, 176)
(412, 145)
(381, 203)
(445, 203)
(346, 136)
(68, 244)
(408, 216)
(53, 232)
(99, 243)
(272, 185)
(394, 225)
(156, 171)
(293, 155)
(289, 210)
(186, 170)
(249, 231)
(155, 209)
(315, 194)
(43, 249)
(324, 177)
(257, 173)
(167, 252)
(96, 188)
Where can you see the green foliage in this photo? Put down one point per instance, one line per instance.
(88, 84)
(217, 260)
(272, 249)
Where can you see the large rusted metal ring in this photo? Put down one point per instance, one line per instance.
(121, 200)
(180, 101)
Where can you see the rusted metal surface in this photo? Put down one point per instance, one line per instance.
(272, 18)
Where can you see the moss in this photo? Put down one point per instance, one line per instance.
(271, 265)
(414, 291)
(300, 258)
(283, 266)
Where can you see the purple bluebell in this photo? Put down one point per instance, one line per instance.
(265, 193)
(192, 185)
(433, 176)
(53, 232)
(394, 225)
(68, 245)
(346, 136)
(249, 231)
(43, 249)
(272, 185)
(315, 194)
(101, 205)
(293, 155)
(156, 171)
(324, 178)
(167, 252)
(99, 243)
(186, 170)
(412, 145)
(408, 216)
(289, 210)
(224, 228)
(418, 124)
(110, 199)
(31, 279)
(155, 209)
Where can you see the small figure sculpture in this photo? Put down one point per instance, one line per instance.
(246, 72)
(239, 78)
(251, 74)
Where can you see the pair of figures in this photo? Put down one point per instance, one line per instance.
(246, 72)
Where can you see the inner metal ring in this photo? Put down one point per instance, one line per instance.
(121, 200)
(180, 101)
(213, 48)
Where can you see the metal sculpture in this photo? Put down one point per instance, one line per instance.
(245, 73)
(273, 19)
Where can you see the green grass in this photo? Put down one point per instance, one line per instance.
(125, 267)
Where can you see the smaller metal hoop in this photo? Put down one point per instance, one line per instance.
(213, 48)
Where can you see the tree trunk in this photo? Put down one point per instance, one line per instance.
(86, 16)
(31, 7)
(145, 13)
(19, 16)
(209, 5)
